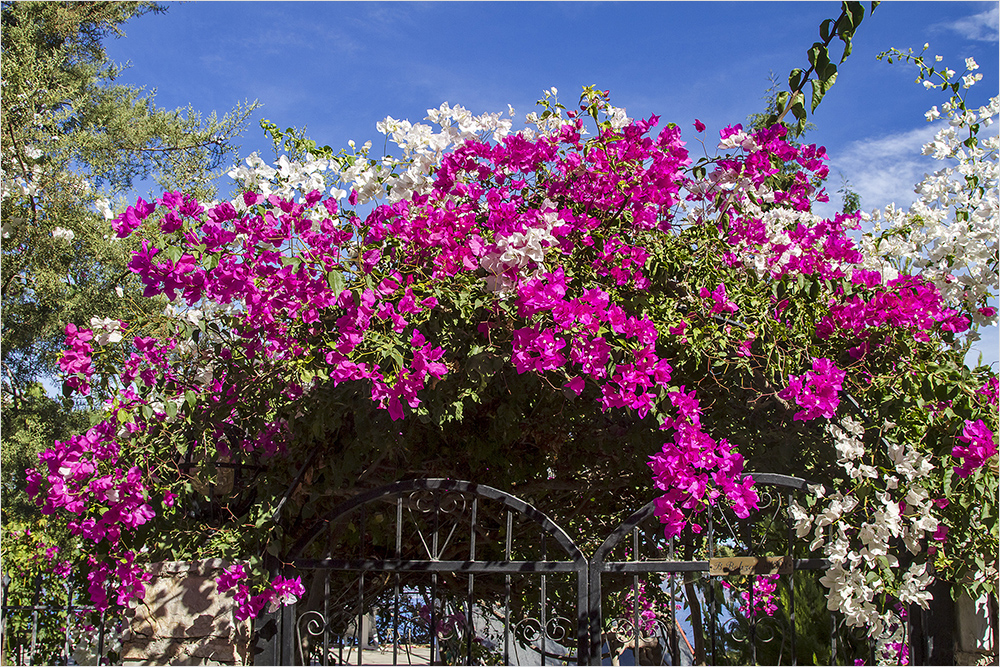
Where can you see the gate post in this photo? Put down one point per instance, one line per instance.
(275, 635)
(593, 611)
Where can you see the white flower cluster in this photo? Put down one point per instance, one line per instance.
(521, 248)
(104, 208)
(288, 180)
(63, 234)
(551, 120)
(856, 536)
(617, 117)
(848, 440)
(389, 178)
(853, 595)
(951, 234)
(738, 139)
(423, 148)
(192, 316)
(18, 185)
(106, 330)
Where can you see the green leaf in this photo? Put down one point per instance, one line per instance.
(335, 279)
(854, 12)
(795, 78)
(817, 94)
(814, 53)
(173, 253)
(847, 48)
(824, 30)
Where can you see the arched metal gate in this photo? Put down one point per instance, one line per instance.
(462, 573)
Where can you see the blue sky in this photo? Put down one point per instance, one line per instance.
(339, 67)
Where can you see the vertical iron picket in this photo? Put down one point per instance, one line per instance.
(506, 612)
(395, 595)
(470, 628)
(326, 615)
(791, 577)
(713, 605)
(542, 597)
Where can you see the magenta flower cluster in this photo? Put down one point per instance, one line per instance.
(906, 303)
(980, 445)
(76, 359)
(818, 390)
(647, 609)
(280, 591)
(694, 469)
(761, 601)
(119, 580)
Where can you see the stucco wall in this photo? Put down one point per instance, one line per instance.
(184, 620)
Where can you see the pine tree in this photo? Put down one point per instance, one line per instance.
(72, 139)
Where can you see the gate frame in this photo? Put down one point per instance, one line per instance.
(577, 562)
(599, 564)
(280, 647)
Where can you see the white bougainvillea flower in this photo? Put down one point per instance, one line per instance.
(106, 330)
(63, 234)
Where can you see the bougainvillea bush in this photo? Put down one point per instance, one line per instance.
(583, 303)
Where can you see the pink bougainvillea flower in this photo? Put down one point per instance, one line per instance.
(981, 446)
(818, 390)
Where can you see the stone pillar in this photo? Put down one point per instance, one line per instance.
(184, 620)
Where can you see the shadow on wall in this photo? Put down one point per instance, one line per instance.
(184, 620)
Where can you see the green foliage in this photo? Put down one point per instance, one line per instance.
(822, 71)
(849, 197)
(293, 142)
(70, 138)
(45, 601)
(760, 120)
(772, 634)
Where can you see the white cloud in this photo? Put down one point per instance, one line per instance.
(885, 169)
(978, 27)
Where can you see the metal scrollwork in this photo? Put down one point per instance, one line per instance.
(736, 629)
(449, 536)
(450, 503)
(767, 629)
(528, 630)
(558, 630)
(651, 644)
(314, 624)
(768, 497)
(427, 501)
(622, 629)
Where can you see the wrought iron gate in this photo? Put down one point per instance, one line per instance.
(463, 573)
